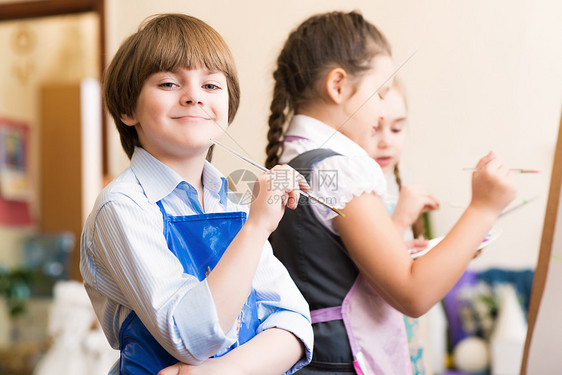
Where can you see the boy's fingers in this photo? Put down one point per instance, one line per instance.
(303, 184)
(172, 370)
(293, 199)
(292, 178)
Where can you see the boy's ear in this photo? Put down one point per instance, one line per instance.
(335, 81)
(129, 120)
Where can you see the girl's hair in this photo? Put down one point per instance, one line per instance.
(164, 43)
(321, 43)
(419, 227)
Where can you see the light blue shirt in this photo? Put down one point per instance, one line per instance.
(126, 266)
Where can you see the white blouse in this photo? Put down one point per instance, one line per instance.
(336, 179)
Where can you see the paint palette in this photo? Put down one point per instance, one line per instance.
(490, 237)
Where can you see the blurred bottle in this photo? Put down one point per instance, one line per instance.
(508, 337)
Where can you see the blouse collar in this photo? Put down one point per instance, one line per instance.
(322, 136)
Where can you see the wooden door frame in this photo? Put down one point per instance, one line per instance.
(22, 10)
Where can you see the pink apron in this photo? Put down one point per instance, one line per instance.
(376, 331)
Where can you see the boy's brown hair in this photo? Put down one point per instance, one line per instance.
(164, 43)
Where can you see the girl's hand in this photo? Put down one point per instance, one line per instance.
(273, 191)
(493, 185)
(412, 202)
(415, 246)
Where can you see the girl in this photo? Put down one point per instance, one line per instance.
(355, 270)
(175, 270)
(404, 203)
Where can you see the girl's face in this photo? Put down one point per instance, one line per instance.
(363, 109)
(390, 135)
(177, 113)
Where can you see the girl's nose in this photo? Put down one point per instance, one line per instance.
(383, 138)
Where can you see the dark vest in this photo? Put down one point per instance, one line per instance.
(322, 269)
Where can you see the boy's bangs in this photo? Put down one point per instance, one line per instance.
(190, 49)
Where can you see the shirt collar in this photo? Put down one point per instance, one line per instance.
(214, 181)
(323, 136)
(158, 180)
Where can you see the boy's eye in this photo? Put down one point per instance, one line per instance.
(168, 85)
(210, 86)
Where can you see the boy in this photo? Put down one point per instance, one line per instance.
(173, 268)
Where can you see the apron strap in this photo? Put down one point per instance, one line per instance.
(165, 218)
(326, 315)
(292, 138)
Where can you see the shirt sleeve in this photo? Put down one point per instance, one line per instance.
(338, 179)
(135, 267)
(280, 303)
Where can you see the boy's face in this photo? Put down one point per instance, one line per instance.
(178, 112)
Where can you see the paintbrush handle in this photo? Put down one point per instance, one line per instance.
(516, 170)
(307, 194)
(264, 169)
(258, 166)
(516, 207)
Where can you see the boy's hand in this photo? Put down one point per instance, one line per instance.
(273, 191)
(212, 366)
(493, 185)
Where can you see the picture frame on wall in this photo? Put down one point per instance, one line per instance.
(15, 184)
(14, 176)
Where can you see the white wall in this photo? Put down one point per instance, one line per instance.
(486, 75)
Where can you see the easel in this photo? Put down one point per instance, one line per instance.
(541, 311)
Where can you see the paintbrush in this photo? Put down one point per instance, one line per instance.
(264, 169)
(508, 211)
(516, 170)
(518, 206)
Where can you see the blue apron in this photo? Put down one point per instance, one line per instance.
(198, 241)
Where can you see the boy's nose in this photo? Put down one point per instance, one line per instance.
(190, 97)
(191, 100)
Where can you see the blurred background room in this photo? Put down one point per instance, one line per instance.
(483, 75)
